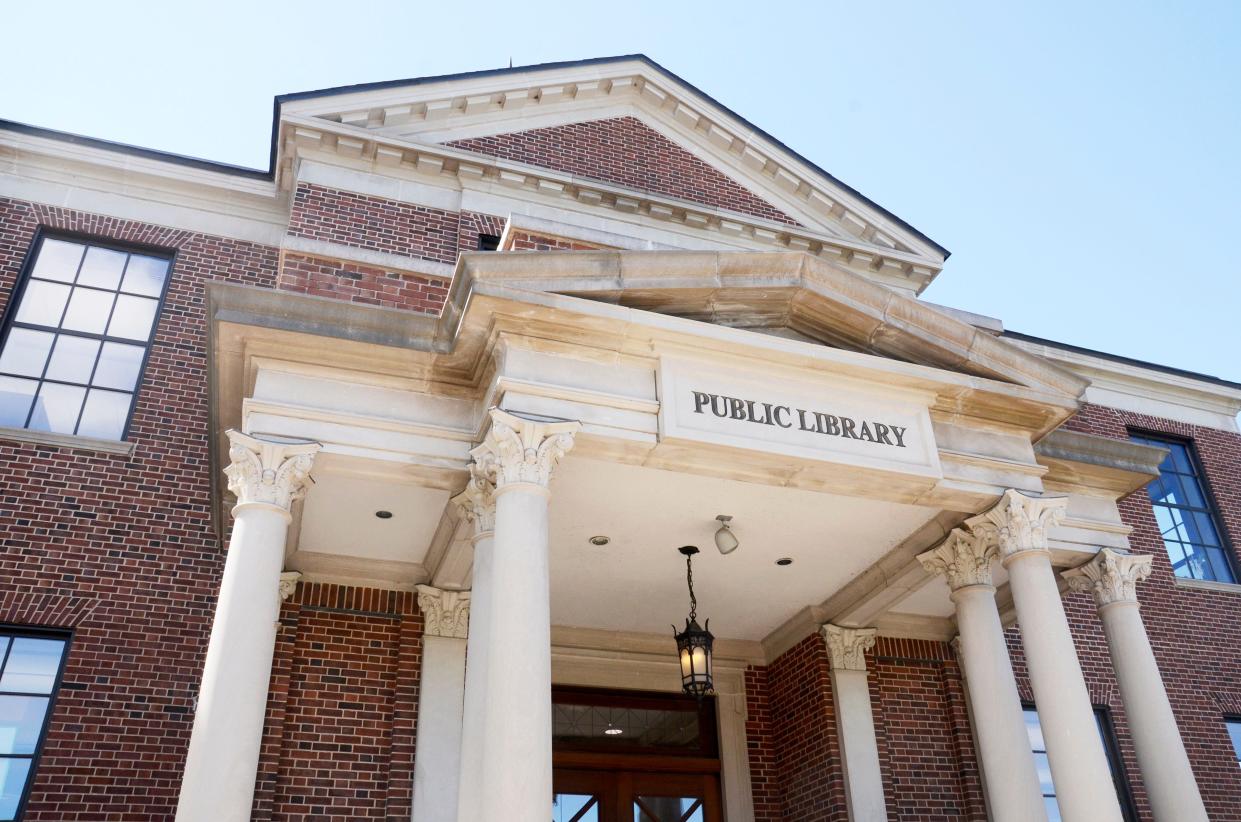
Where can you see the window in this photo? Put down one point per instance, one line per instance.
(77, 338)
(488, 242)
(1186, 516)
(30, 667)
(1044, 769)
(1234, 733)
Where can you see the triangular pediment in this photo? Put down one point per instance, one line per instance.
(687, 148)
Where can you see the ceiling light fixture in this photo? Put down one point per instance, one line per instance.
(725, 539)
(384, 514)
(612, 730)
(599, 540)
(782, 561)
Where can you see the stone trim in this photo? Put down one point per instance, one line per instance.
(444, 613)
(1111, 576)
(268, 473)
(847, 647)
(72, 441)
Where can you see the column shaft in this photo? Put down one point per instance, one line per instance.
(473, 728)
(223, 758)
(517, 755)
(858, 747)
(1112, 578)
(1169, 779)
(1008, 764)
(1079, 764)
(437, 764)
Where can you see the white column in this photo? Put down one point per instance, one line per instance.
(441, 697)
(223, 757)
(855, 722)
(515, 780)
(478, 504)
(1011, 779)
(1018, 526)
(1113, 578)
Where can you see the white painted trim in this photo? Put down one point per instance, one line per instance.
(67, 441)
(1207, 585)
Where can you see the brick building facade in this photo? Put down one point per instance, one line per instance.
(349, 302)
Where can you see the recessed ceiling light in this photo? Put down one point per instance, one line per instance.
(612, 730)
(600, 540)
(784, 561)
(384, 514)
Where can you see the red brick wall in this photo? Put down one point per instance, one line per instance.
(625, 151)
(525, 241)
(375, 223)
(339, 738)
(1193, 632)
(120, 548)
(759, 730)
(926, 752)
(362, 284)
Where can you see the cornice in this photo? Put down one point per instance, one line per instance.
(471, 170)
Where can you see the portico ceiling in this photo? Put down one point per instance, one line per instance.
(637, 581)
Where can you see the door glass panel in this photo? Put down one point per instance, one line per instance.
(575, 807)
(625, 726)
(667, 809)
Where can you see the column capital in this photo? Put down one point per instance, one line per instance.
(478, 501)
(964, 558)
(520, 450)
(1019, 522)
(288, 584)
(1111, 576)
(444, 613)
(262, 472)
(847, 647)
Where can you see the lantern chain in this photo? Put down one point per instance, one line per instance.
(689, 578)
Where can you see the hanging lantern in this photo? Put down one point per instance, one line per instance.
(694, 643)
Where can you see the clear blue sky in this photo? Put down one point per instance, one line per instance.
(1081, 160)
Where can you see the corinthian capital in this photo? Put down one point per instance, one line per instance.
(268, 473)
(518, 450)
(444, 613)
(963, 558)
(847, 647)
(478, 501)
(1018, 522)
(1111, 576)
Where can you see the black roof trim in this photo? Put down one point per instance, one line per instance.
(642, 58)
(269, 174)
(1165, 369)
(136, 151)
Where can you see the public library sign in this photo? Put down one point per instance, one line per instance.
(822, 418)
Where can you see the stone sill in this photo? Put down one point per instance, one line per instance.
(67, 441)
(1207, 585)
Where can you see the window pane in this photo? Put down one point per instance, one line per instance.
(1234, 733)
(32, 664)
(56, 408)
(567, 806)
(1043, 768)
(1180, 458)
(145, 275)
(1053, 809)
(132, 318)
(119, 365)
(102, 268)
(21, 722)
(43, 303)
(58, 260)
(1033, 730)
(72, 359)
(1219, 564)
(15, 398)
(25, 352)
(88, 310)
(104, 415)
(13, 775)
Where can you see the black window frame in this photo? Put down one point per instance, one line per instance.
(23, 281)
(1212, 509)
(488, 242)
(1111, 749)
(37, 632)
